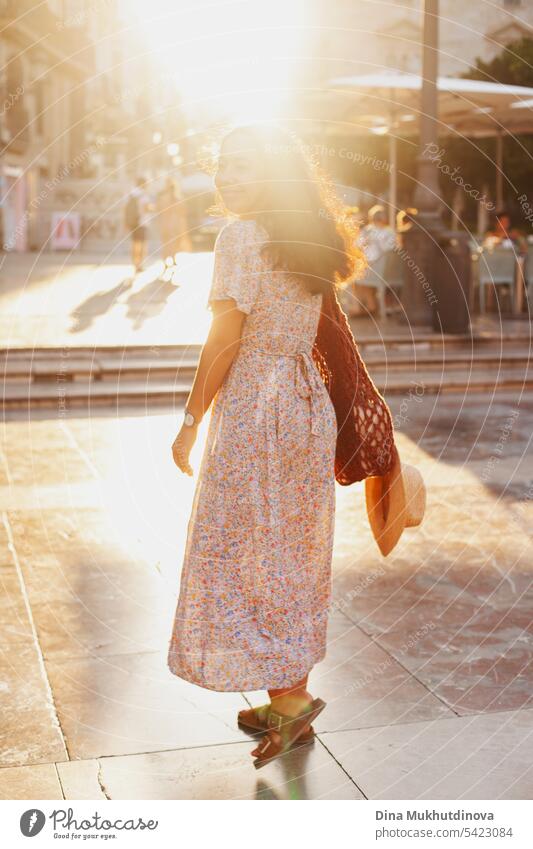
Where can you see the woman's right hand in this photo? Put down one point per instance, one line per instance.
(182, 447)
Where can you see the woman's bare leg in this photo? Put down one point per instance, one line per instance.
(291, 700)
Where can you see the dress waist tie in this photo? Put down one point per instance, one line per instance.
(309, 384)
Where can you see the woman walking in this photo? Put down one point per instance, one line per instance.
(172, 219)
(255, 585)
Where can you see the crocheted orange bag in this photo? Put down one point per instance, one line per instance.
(365, 439)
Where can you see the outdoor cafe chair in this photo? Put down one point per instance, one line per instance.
(385, 273)
(375, 278)
(394, 271)
(528, 273)
(497, 267)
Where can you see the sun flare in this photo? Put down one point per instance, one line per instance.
(227, 57)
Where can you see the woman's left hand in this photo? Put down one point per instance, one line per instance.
(181, 448)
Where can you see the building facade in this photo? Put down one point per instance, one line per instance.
(43, 128)
(83, 110)
(372, 36)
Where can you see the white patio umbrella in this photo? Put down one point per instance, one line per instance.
(390, 102)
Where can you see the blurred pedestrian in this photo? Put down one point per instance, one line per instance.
(172, 221)
(377, 239)
(136, 220)
(502, 234)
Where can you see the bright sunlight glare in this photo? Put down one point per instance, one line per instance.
(226, 57)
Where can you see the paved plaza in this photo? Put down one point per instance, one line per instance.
(402, 130)
(428, 678)
(94, 300)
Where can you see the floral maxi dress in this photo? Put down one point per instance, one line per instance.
(255, 585)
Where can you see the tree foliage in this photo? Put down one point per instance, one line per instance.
(513, 66)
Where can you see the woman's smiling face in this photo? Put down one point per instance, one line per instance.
(239, 174)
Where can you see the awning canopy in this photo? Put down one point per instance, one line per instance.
(389, 103)
(468, 107)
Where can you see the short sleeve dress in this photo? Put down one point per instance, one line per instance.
(255, 583)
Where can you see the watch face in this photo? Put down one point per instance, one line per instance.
(189, 419)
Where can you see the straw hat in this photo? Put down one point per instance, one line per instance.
(394, 501)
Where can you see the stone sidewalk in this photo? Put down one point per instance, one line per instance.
(93, 300)
(66, 300)
(429, 675)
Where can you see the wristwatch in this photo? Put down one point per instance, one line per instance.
(188, 419)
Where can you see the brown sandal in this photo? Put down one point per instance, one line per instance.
(258, 719)
(285, 731)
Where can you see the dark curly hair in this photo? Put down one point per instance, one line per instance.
(312, 234)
